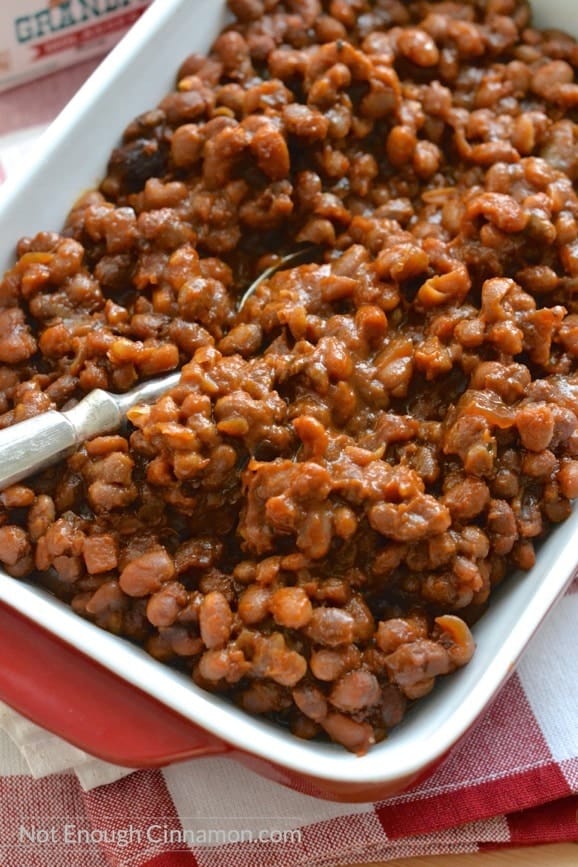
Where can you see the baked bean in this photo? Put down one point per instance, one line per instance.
(41, 515)
(215, 620)
(17, 496)
(331, 627)
(310, 701)
(227, 664)
(356, 736)
(467, 498)
(401, 145)
(421, 516)
(418, 46)
(273, 659)
(253, 604)
(426, 159)
(548, 76)
(392, 633)
(536, 427)
(568, 479)
(417, 662)
(264, 696)
(271, 152)
(14, 544)
(164, 606)
(146, 574)
(107, 598)
(16, 342)
(355, 691)
(502, 526)
(329, 665)
(456, 638)
(290, 607)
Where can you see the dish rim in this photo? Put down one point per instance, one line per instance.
(468, 691)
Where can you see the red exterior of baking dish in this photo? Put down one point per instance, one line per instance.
(61, 689)
(69, 694)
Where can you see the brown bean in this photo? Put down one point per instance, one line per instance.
(456, 638)
(254, 604)
(417, 662)
(164, 606)
(14, 544)
(356, 737)
(17, 497)
(291, 607)
(310, 701)
(396, 631)
(418, 47)
(549, 75)
(215, 620)
(400, 146)
(331, 627)
(329, 665)
(355, 691)
(146, 574)
(535, 426)
(226, 664)
(568, 479)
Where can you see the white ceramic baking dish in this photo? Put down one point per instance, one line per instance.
(122, 704)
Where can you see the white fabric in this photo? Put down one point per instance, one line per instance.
(543, 672)
(42, 753)
(263, 801)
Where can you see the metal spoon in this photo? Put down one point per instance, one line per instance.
(39, 442)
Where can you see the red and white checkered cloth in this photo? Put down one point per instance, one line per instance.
(512, 781)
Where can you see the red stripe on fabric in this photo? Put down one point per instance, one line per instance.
(142, 805)
(173, 859)
(569, 768)
(42, 823)
(504, 750)
(482, 801)
(551, 823)
(506, 739)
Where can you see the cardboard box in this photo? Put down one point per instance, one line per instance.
(38, 37)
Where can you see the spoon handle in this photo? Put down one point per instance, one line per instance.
(38, 442)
